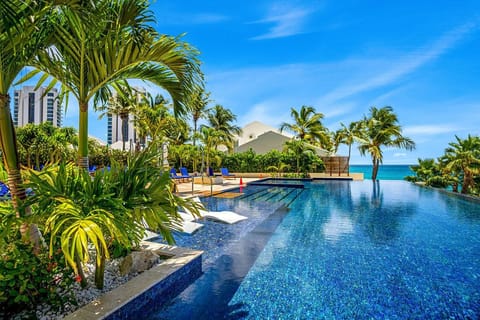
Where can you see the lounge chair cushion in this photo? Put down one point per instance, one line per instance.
(225, 216)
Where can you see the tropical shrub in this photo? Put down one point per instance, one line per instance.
(458, 168)
(107, 212)
(27, 277)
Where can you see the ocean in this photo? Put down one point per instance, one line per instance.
(385, 172)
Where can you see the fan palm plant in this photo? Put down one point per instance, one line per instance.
(381, 128)
(107, 41)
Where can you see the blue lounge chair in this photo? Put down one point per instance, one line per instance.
(210, 172)
(184, 173)
(173, 174)
(226, 174)
(4, 191)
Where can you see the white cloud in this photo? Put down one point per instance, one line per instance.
(399, 155)
(287, 21)
(408, 64)
(432, 129)
(266, 112)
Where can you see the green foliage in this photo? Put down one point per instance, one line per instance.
(39, 144)
(108, 212)
(27, 278)
(458, 168)
(274, 160)
(77, 211)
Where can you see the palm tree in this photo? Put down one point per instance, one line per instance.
(307, 126)
(210, 138)
(381, 129)
(299, 149)
(198, 103)
(150, 117)
(221, 119)
(23, 33)
(122, 103)
(347, 135)
(464, 157)
(106, 41)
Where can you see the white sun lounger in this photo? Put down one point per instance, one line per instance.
(188, 223)
(229, 217)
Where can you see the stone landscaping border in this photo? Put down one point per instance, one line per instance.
(149, 290)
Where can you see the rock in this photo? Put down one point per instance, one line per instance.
(138, 261)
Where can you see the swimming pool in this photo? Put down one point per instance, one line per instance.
(337, 249)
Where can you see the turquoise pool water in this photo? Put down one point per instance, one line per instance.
(339, 250)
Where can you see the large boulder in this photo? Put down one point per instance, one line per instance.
(138, 261)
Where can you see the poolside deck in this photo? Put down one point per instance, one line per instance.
(187, 188)
(204, 187)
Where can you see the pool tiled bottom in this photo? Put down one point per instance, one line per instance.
(209, 296)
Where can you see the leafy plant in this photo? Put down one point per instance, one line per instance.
(109, 212)
(78, 211)
(28, 278)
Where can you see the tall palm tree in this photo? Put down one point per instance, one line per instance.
(107, 41)
(122, 103)
(150, 117)
(211, 139)
(347, 135)
(380, 129)
(221, 119)
(23, 33)
(307, 126)
(463, 156)
(198, 106)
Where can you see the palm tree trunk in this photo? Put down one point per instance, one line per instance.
(467, 181)
(376, 163)
(124, 131)
(83, 136)
(8, 143)
(194, 132)
(349, 153)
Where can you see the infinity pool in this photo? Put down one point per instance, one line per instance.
(337, 250)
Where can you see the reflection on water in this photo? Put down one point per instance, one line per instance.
(386, 249)
(337, 225)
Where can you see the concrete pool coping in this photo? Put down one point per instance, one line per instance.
(132, 297)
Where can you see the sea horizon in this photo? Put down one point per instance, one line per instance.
(385, 171)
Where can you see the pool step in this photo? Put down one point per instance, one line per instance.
(283, 196)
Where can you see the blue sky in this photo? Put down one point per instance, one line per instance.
(261, 58)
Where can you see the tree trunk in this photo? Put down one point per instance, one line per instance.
(83, 136)
(349, 153)
(100, 269)
(376, 163)
(124, 130)
(83, 279)
(467, 182)
(8, 143)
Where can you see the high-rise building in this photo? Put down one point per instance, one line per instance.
(36, 106)
(116, 130)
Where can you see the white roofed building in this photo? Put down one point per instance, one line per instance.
(263, 138)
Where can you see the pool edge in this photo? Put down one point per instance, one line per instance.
(150, 289)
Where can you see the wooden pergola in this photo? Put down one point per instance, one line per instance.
(336, 165)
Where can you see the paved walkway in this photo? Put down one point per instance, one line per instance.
(187, 189)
